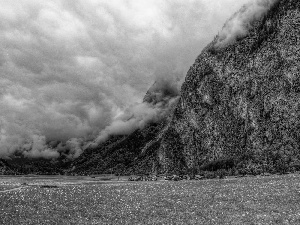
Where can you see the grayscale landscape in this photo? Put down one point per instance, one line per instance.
(150, 112)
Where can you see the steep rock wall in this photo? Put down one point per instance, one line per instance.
(241, 99)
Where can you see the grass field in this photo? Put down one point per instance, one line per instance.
(83, 200)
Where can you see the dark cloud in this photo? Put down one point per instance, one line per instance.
(70, 69)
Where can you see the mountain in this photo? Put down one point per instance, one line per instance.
(240, 102)
(135, 153)
(239, 106)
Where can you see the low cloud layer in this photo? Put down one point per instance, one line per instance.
(70, 69)
(239, 24)
(160, 99)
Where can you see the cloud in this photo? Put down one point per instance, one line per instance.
(37, 148)
(70, 68)
(239, 24)
(158, 102)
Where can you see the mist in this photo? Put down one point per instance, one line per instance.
(239, 24)
(73, 73)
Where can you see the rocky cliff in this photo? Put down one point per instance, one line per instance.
(240, 101)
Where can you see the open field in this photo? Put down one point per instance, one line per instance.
(84, 200)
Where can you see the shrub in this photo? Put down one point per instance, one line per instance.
(269, 168)
(281, 166)
(233, 172)
(222, 173)
(251, 168)
(254, 169)
(209, 174)
(295, 166)
(242, 171)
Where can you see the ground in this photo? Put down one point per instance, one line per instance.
(85, 200)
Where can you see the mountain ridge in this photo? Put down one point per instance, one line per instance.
(224, 105)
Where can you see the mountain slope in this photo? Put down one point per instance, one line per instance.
(239, 106)
(241, 101)
(135, 153)
(122, 154)
(5, 168)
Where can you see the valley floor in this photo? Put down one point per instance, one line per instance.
(102, 200)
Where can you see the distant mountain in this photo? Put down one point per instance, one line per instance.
(21, 165)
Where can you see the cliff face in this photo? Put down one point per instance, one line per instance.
(241, 100)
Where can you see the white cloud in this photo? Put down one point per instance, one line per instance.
(239, 24)
(67, 68)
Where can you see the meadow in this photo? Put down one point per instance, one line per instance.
(85, 200)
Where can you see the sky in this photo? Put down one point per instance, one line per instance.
(72, 70)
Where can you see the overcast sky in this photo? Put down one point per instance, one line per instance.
(69, 67)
